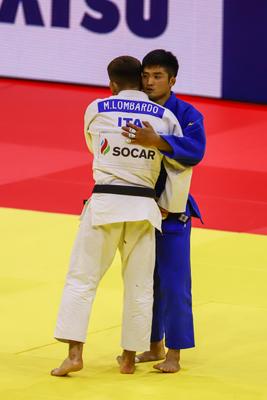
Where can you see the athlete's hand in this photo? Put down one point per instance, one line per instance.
(145, 136)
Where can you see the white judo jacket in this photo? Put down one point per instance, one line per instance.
(118, 163)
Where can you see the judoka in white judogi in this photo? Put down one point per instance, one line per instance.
(119, 221)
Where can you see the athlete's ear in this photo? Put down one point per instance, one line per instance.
(113, 87)
(172, 81)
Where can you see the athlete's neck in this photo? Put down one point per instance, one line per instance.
(162, 100)
(126, 87)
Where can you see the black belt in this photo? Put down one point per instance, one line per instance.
(127, 190)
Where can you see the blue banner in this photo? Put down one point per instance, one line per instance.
(244, 75)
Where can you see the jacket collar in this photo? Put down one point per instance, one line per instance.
(171, 103)
(133, 93)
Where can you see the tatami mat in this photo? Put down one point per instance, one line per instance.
(230, 308)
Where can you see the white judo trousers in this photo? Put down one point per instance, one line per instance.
(93, 252)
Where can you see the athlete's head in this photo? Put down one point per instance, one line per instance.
(124, 73)
(159, 71)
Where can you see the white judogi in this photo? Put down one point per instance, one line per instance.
(112, 221)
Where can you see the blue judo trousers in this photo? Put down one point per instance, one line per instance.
(172, 308)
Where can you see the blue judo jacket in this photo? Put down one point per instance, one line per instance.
(187, 150)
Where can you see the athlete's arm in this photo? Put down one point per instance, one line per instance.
(147, 137)
(190, 148)
(89, 116)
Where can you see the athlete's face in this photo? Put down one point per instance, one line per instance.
(157, 84)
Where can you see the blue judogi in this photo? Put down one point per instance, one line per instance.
(172, 309)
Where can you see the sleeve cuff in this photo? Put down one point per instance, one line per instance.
(167, 139)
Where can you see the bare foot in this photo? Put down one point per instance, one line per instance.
(156, 352)
(171, 363)
(127, 362)
(73, 362)
(66, 367)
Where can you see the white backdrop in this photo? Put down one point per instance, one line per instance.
(78, 55)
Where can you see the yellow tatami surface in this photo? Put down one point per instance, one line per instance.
(230, 308)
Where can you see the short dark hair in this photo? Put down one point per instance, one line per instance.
(162, 58)
(125, 70)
